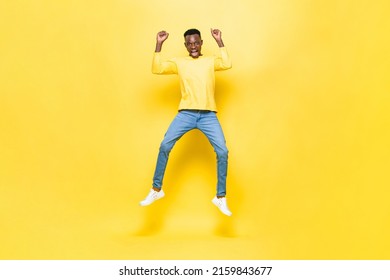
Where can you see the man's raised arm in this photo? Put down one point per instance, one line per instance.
(223, 61)
(217, 34)
(160, 39)
(160, 66)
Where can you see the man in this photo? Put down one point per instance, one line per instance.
(197, 107)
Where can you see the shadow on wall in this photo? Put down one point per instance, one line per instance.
(194, 150)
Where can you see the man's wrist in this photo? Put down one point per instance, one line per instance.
(220, 43)
(158, 47)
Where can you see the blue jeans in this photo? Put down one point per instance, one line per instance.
(186, 120)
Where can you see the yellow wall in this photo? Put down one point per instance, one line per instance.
(305, 110)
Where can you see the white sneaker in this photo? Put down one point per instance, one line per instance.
(222, 205)
(152, 197)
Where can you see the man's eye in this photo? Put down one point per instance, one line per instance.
(195, 43)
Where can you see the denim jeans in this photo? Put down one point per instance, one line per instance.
(186, 120)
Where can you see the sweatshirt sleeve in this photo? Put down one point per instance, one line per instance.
(222, 62)
(159, 66)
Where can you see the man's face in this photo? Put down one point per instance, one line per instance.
(193, 44)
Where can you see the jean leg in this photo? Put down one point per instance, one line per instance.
(182, 123)
(210, 126)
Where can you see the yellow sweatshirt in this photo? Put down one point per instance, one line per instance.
(197, 79)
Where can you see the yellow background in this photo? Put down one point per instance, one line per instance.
(305, 110)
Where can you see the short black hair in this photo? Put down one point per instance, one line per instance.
(192, 31)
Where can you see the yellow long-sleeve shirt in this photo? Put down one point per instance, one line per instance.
(197, 79)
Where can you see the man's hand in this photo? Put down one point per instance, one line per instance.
(217, 34)
(162, 36)
(160, 39)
